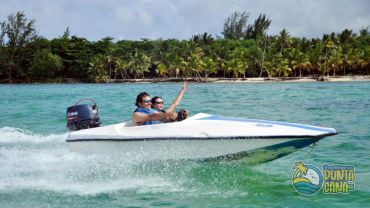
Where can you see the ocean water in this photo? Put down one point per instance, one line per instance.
(37, 168)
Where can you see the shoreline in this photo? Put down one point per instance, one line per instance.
(304, 79)
(216, 80)
(249, 80)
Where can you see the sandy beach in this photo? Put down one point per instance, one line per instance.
(250, 80)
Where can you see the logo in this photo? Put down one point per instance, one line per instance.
(74, 113)
(307, 179)
(339, 178)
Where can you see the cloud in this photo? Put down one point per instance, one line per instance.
(154, 19)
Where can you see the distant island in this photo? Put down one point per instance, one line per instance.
(243, 52)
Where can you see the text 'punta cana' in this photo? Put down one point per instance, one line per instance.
(338, 178)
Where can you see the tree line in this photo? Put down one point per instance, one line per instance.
(244, 50)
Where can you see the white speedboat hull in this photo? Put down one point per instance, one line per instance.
(202, 136)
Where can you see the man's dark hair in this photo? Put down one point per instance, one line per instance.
(139, 98)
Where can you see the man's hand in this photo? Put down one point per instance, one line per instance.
(172, 116)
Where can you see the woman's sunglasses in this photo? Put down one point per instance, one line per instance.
(158, 102)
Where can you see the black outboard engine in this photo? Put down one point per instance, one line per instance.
(83, 116)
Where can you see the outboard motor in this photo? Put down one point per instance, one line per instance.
(83, 116)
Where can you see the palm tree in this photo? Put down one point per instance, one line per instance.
(237, 62)
(196, 64)
(110, 61)
(221, 53)
(315, 57)
(122, 66)
(140, 63)
(336, 60)
(328, 45)
(209, 66)
(283, 67)
(346, 36)
(192, 55)
(300, 168)
(161, 70)
(346, 62)
(270, 69)
(179, 65)
(202, 39)
(357, 59)
(265, 41)
(305, 45)
(284, 40)
(97, 72)
(299, 61)
(174, 62)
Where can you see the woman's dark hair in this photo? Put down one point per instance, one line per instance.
(154, 99)
(139, 98)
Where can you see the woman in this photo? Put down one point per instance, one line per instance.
(157, 103)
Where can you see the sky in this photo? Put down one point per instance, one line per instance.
(180, 19)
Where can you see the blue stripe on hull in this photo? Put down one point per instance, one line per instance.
(295, 143)
(195, 138)
(221, 118)
(261, 155)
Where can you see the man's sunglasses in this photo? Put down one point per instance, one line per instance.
(147, 101)
(158, 102)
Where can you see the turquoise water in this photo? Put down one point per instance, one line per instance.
(37, 169)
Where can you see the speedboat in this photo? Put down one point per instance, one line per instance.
(202, 136)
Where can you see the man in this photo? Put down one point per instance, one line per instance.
(145, 115)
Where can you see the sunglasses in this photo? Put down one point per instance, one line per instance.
(147, 101)
(158, 102)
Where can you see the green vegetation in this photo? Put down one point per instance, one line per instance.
(243, 51)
